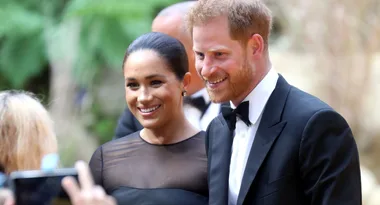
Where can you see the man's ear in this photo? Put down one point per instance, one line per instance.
(256, 45)
(186, 80)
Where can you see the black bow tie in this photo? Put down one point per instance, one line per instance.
(242, 112)
(199, 103)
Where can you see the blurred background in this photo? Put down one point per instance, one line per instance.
(69, 53)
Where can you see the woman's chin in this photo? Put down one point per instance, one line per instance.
(150, 124)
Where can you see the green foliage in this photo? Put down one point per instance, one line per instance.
(120, 9)
(103, 43)
(22, 49)
(107, 28)
(104, 129)
(18, 21)
(21, 59)
(103, 126)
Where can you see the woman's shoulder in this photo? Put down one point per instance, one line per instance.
(117, 147)
(194, 142)
(200, 135)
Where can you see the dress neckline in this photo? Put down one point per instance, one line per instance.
(170, 144)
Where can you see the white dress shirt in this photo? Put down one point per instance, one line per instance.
(244, 135)
(194, 115)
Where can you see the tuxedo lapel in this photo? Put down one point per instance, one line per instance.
(269, 129)
(219, 161)
(264, 139)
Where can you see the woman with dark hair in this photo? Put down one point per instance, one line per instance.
(165, 162)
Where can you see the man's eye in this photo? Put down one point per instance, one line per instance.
(156, 82)
(132, 85)
(218, 54)
(200, 55)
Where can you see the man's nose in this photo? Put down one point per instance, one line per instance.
(207, 67)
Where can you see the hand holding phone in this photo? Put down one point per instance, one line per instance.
(40, 187)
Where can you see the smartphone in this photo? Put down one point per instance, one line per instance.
(39, 187)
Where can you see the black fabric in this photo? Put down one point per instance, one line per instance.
(127, 124)
(303, 153)
(241, 111)
(136, 172)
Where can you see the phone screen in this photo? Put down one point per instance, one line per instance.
(43, 190)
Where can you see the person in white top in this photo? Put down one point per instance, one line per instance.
(276, 144)
(199, 110)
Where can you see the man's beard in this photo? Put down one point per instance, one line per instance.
(238, 84)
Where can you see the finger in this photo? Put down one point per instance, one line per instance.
(84, 175)
(85, 197)
(110, 201)
(5, 193)
(6, 197)
(9, 202)
(99, 193)
(71, 187)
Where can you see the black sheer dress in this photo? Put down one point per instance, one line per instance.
(136, 172)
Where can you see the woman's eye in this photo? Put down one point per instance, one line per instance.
(156, 83)
(133, 85)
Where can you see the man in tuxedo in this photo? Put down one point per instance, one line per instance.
(277, 145)
(198, 108)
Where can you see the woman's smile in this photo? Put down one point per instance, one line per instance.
(148, 111)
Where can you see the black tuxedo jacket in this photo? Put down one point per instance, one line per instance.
(127, 124)
(304, 153)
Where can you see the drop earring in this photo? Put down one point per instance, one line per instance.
(184, 93)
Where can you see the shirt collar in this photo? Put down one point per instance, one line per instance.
(259, 96)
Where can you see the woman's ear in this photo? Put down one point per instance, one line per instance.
(186, 80)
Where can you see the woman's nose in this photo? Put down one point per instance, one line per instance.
(144, 95)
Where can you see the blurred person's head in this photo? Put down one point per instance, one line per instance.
(231, 46)
(26, 131)
(156, 76)
(171, 21)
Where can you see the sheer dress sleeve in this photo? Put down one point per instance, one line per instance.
(96, 166)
